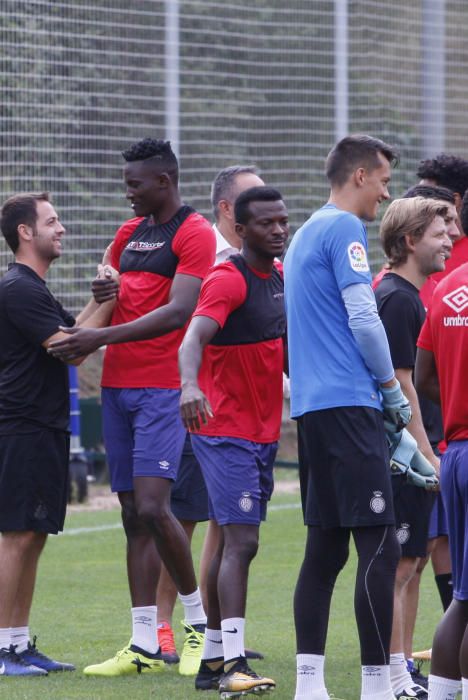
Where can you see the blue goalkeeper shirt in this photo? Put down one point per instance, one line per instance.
(327, 368)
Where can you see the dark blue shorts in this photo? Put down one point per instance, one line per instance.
(189, 497)
(143, 434)
(454, 486)
(438, 521)
(238, 475)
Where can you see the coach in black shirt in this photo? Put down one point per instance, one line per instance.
(34, 420)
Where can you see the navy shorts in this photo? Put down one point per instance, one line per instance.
(34, 481)
(344, 468)
(238, 475)
(454, 487)
(438, 521)
(413, 507)
(189, 497)
(143, 434)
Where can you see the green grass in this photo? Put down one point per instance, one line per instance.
(81, 614)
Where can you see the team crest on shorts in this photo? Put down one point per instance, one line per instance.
(377, 502)
(403, 533)
(245, 502)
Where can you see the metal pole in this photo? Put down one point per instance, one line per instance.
(341, 70)
(172, 75)
(433, 77)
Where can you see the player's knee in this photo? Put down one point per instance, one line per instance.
(243, 549)
(406, 570)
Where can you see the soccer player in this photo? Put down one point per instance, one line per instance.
(189, 498)
(162, 255)
(234, 410)
(34, 421)
(441, 375)
(414, 237)
(341, 375)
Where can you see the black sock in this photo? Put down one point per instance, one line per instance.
(445, 585)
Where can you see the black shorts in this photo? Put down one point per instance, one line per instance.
(412, 506)
(344, 468)
(189, 497)
(34, 481)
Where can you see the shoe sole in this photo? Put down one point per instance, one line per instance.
(258, 690)
(206, 685)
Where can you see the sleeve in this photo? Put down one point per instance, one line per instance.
(195, 246)
(346, 246)
(35, 312)
(120, 239)
(400, 321)
(222, 292)
(425, 336)
(368, 331)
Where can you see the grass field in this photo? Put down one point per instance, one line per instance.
(81, 613)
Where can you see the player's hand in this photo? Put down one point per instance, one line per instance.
(396, 408)
(422, 473)
(81, 341)
(195, 408)
(105, 286)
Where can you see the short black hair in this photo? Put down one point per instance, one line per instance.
(223, 186)
(356, 151)
(242, 212)
(430, 192)
(19, 209)
(447, 171)
(464, 214)
(157, 152)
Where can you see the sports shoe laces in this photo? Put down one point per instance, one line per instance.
(166, 639)
(193, 640)
(32, 647)
(11, 652)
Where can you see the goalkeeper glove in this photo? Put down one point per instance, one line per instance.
(405, 458)
(396, 408)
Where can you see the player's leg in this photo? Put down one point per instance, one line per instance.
(326, 553)
(378, 554)
(442, 566)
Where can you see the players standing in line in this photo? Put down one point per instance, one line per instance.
(441, 375)
(341, 376)
(414, 237)
(189, 499)
(234, 410)
(34, 420)
(162, 256)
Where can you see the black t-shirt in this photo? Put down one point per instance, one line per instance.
(402, 313)
(34, 389)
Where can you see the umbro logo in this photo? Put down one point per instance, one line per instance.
(164, 464)
(458, 299)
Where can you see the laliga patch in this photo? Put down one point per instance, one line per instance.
(358, 257)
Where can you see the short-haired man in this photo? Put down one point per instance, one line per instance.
(441, 375)
(341, 375)
(189, 499)
(34, 420)
(162, 256)
(414, 237)
(234, 410)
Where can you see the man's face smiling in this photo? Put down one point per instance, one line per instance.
(47, 232)
(144, 188)
(374, 188)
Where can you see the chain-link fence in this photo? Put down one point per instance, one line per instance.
(234, 81)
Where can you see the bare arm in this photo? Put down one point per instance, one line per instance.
(416, 426)
(425, 375)
(165, 319)
(194, 406)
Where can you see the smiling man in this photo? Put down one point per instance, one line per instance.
(233, 406)
(341, 378)
(34, 420)
(162, 256)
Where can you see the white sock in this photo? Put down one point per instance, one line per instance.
(145, 628)
(400, 677)
(375, 683)
(443, 688)
(232, 630)
(5, 637)
(213, 645)
(464, 688)
(193, 608)
(19, 637)
(310, 682)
